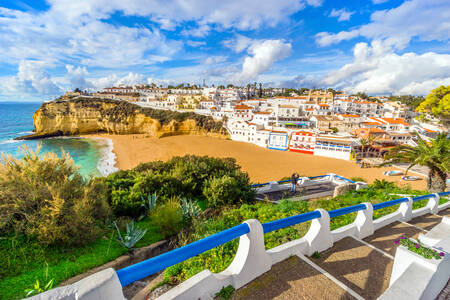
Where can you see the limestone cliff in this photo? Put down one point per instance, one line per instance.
(91, 115)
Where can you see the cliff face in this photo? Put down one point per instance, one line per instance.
(88, 115)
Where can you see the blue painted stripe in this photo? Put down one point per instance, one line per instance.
(389, 203)
(289, 221)
(346, 210)
(343, 178)
(150, 266)
(418, 198)
(444, 193)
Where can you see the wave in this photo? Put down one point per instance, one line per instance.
(107, 162)
(11, 141)
(25, 133)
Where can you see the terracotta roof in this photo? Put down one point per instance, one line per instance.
(243, 106)
(288, 106)
(323, 105)
(276, 131)
(262, 113)
(349, 116)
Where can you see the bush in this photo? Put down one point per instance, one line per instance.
(223, 191)
(179, 177)
(47, 198)
(168, 217)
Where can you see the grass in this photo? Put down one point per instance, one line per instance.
(24, 260)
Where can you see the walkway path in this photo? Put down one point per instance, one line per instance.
(351, 269)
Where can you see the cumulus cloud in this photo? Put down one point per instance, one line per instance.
(262, 55)
(377, 69)
(239, 43)
(31, 78)
(77, 77)
(342, 14)
(424, 20)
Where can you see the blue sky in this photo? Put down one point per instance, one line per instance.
(375, 46)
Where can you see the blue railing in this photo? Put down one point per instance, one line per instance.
(158, 263)
(343, 178)
(150, 266)
(289, 221)
(346, 210)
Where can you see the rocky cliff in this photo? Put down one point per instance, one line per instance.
(91, 115)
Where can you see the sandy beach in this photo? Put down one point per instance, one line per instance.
(260, 163)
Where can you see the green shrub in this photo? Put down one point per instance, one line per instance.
(168, 217)
(179, 177)
(360, 179)
(225, 190)
(44, 196)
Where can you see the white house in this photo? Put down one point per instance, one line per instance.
(334, 147)
(278, 140)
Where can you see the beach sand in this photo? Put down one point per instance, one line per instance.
(261, 164)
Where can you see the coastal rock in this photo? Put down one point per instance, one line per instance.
(92, 115)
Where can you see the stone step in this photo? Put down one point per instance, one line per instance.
(384, 238)
(292, 278)
(358, 266)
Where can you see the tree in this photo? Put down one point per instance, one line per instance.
(438, 104)
(260, 90)
(435, 156)
(362, 95)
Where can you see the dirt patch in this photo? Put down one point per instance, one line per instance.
(385, 237)
(291, 279)
(361, 268)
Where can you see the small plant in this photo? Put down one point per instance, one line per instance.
(316, 255)
(419, 248)
(190, 209)
(37, 288)
(150, 203)
(225, 292)
(168, 217)
(132, 236)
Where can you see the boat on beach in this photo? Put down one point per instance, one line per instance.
(392, 173)
(410, 178)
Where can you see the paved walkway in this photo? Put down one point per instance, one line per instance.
(351, 269)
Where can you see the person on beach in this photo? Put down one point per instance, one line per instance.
(294, 178)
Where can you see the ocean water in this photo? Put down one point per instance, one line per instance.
(93, 156)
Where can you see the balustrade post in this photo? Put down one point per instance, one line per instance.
(433, 203)
(405, 210)
(319, 236)
(364, 221)
(251, 259)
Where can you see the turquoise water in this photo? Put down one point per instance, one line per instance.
(16, 119)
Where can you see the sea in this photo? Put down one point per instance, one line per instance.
(93, 156)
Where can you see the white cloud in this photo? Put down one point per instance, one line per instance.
(77, 77)
(214, 59)
(315, 3)
(424, 20)
(342, 14)
(377, 69)
(239, 43)
(195, 43)
(262, 56)
(31, 78)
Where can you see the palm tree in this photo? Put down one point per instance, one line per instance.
(366, 142)
(435, 156)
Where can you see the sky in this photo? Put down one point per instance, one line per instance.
(374, 46)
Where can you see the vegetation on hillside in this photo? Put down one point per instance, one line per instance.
(411, 101)
(437, 103)
(218, 181)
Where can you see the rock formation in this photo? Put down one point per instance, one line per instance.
(92, 115)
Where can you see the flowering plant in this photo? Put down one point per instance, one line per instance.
(419, 248)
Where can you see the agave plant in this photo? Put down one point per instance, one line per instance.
(150, 203)
(190, 209)
(132, 235)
